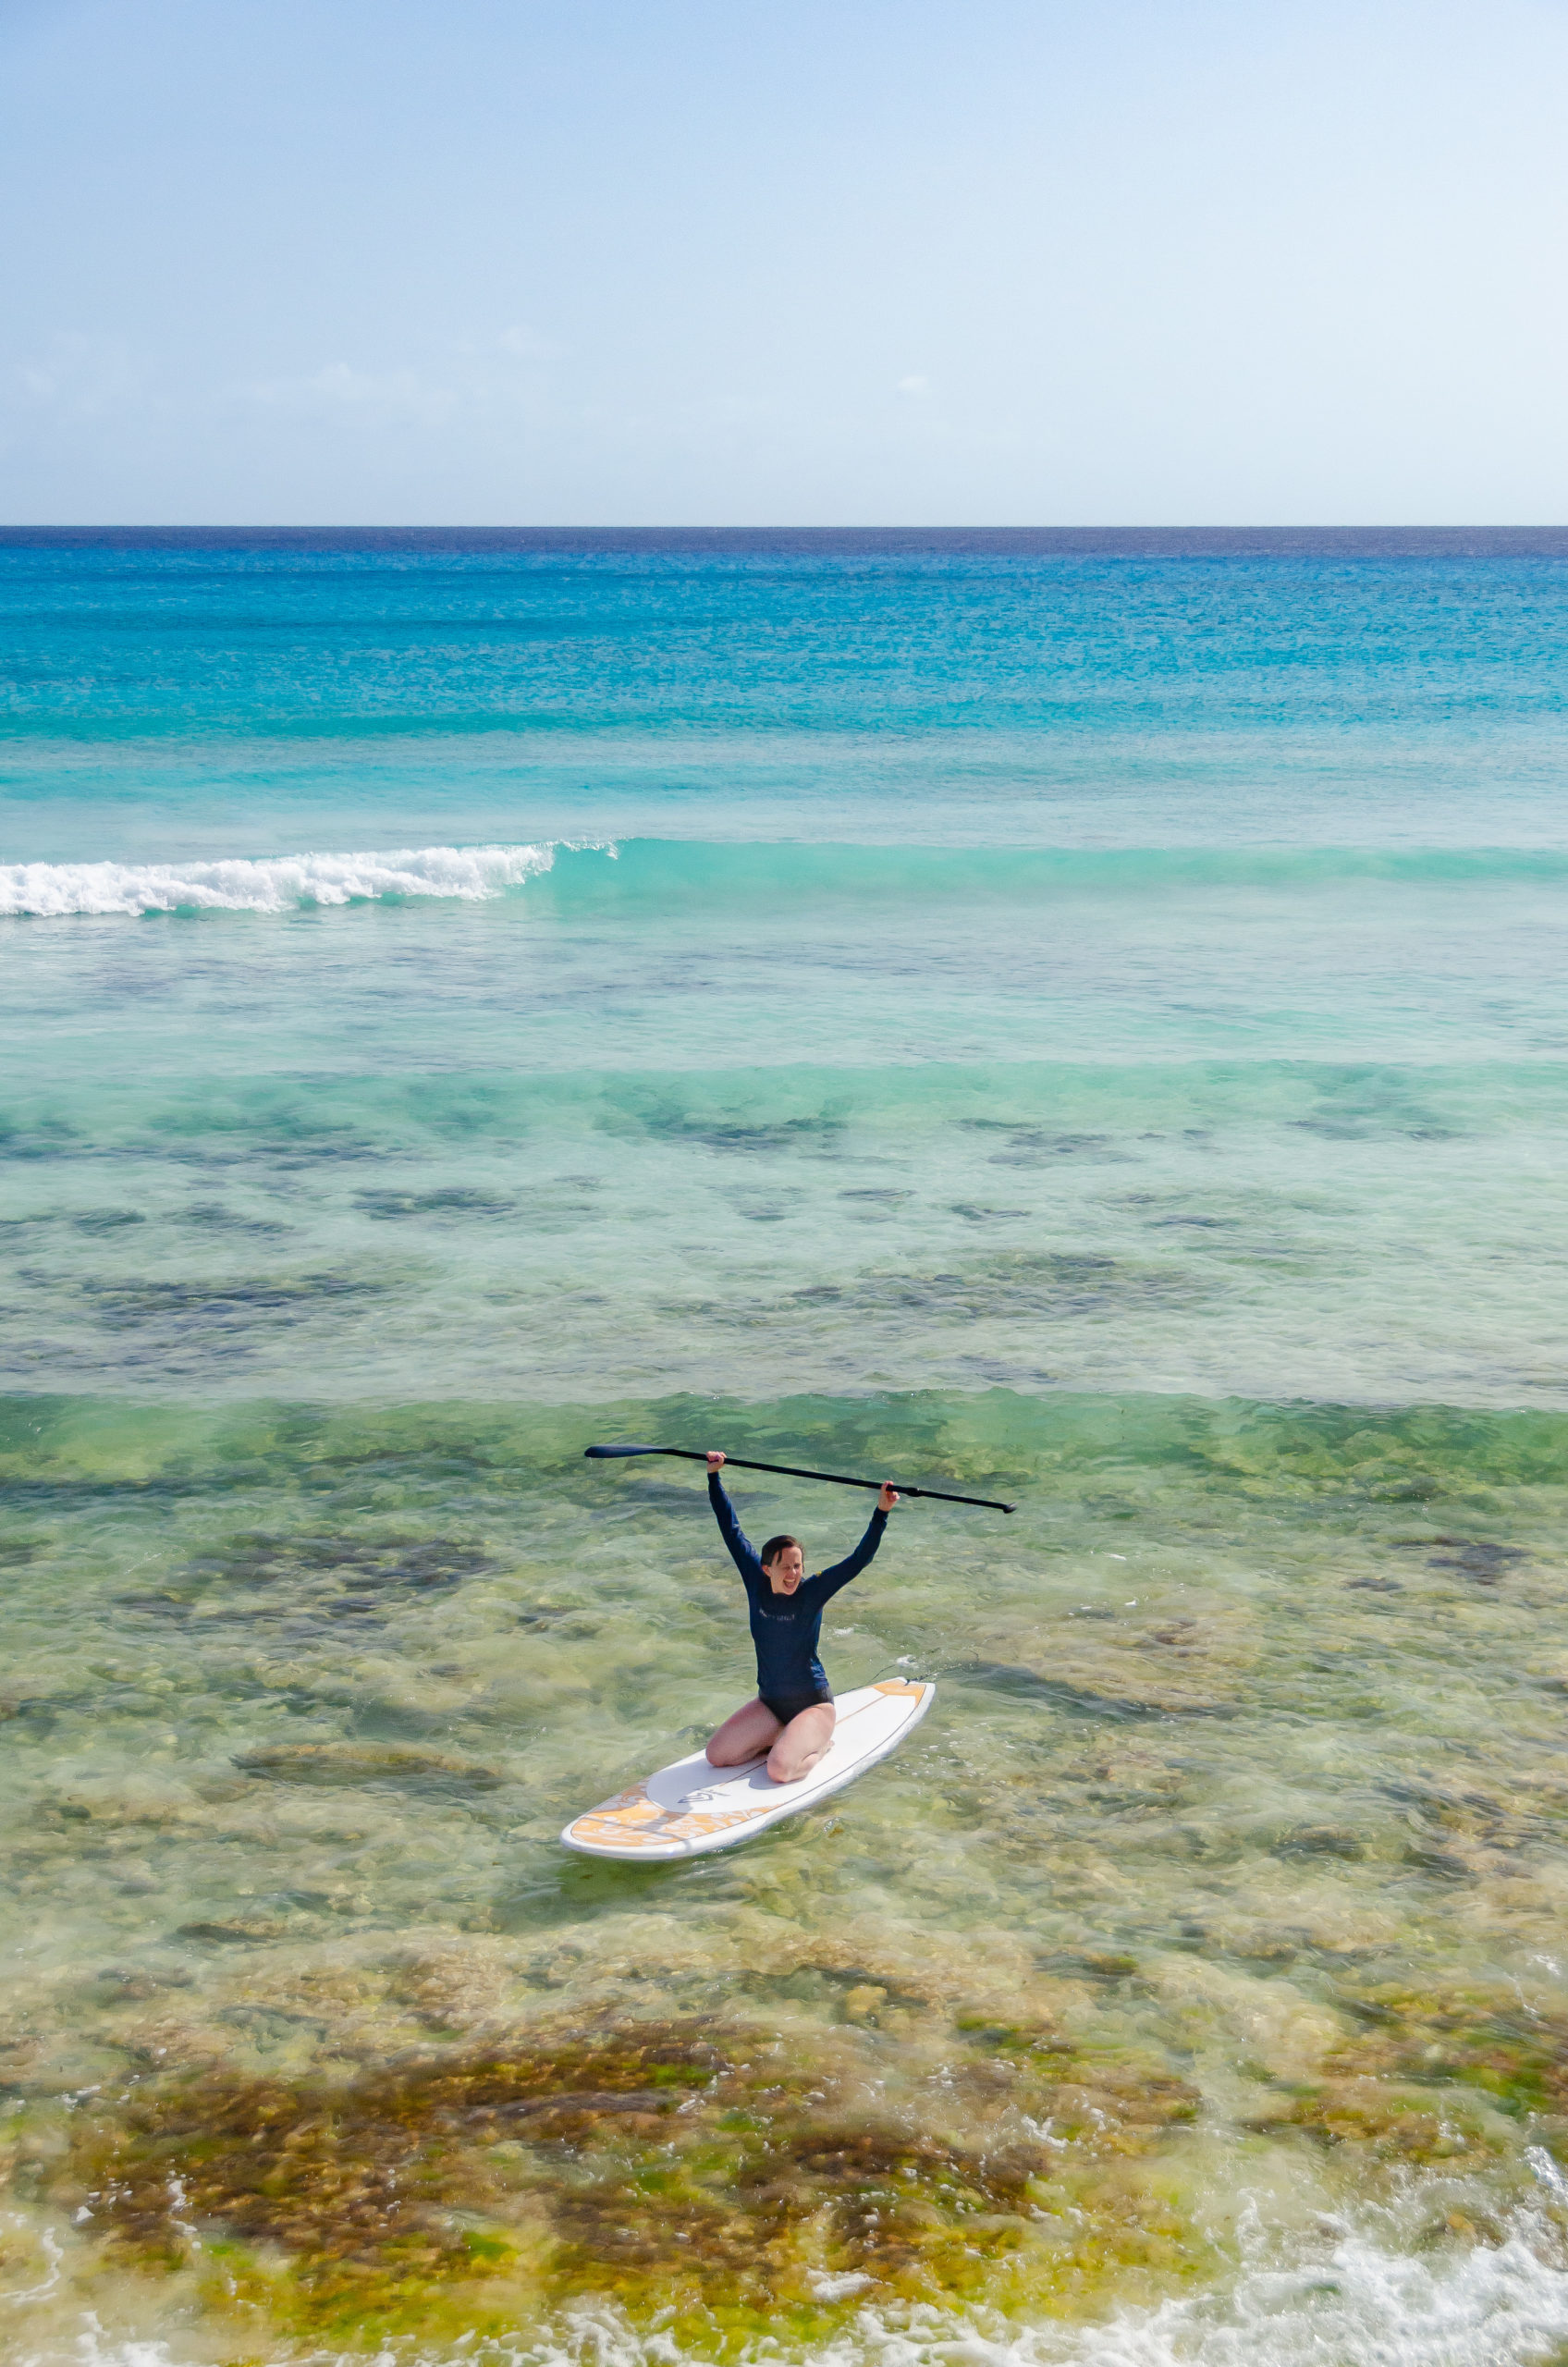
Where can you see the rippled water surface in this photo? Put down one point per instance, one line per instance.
(1081, 1024)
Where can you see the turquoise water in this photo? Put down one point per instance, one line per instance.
(1083, 1017)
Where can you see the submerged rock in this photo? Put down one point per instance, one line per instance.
(1187, 1662)
(128, 1799)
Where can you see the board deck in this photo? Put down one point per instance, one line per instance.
(690, 1807)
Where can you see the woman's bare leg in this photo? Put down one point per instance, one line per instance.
(745, 1736)
(800, 1744)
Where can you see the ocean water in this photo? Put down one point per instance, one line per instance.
(1077, 1019)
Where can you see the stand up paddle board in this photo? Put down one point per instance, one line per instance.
(690, 1807)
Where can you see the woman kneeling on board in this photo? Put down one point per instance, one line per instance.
(792, 1716)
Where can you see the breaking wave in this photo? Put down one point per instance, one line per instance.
(266, 884)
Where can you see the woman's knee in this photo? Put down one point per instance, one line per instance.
(733, 1744)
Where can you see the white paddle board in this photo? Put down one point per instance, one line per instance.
(690, 1807)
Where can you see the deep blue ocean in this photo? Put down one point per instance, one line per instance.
(1083, 1014)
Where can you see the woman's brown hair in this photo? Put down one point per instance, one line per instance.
(774, 1547)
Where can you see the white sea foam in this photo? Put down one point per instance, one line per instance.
(1497, 2306)
(1357, 2305)
(269, 884)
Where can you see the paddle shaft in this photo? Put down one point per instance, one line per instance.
(794, 1471)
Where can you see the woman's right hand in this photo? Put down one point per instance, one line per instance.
(714, 1460)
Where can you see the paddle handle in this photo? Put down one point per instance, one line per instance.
(795, 1471)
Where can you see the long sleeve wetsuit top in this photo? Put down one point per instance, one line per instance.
(786, 1627)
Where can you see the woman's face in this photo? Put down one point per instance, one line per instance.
(785, 1570)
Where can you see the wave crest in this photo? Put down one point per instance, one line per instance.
(665, 875)
(265, 884)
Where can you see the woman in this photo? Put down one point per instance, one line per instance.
(792, 1716)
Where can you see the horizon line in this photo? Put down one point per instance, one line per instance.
(10, 531)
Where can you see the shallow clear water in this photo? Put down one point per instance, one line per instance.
(1084, 1024)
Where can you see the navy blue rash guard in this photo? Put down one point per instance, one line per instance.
(786, 1627)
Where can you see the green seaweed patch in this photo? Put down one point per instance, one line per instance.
(1395, 2122)
(1429, 2076)
(1518, 2058)
(728, 2178)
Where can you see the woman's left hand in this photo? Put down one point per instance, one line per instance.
(889, 1497)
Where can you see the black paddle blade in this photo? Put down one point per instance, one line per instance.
(604, 1453)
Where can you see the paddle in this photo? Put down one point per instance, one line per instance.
(793, 1471)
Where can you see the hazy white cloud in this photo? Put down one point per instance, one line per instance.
(339, 386)
(87, 375)
(476, 377)
(914, 386)
(528, 346)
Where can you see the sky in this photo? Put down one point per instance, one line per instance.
(806, 263)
